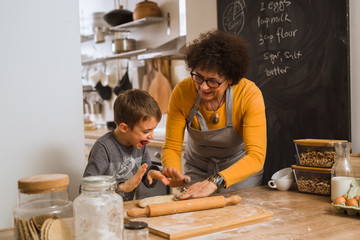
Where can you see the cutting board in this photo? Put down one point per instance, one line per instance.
(160, 89)
(191, 224)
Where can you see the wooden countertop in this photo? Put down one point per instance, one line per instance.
(295, 216)
(95, 134)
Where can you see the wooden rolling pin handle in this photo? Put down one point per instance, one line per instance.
(190, 205)
(183, 206)
(233, 200)
(136, 212)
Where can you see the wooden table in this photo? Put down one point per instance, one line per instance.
(295, 216)
(95, 134)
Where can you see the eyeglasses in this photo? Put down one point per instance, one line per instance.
(200, 79)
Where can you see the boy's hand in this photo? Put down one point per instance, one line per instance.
(176, 178)
(154, 174)
(134, 181)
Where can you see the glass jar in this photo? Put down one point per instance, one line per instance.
(40, 198)
(98, 210)
(136, 230)
(342, 172)
(122, 42)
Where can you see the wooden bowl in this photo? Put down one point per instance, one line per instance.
(146, 9)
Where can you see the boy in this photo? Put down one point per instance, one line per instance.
(122, 152)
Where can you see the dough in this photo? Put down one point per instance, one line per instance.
(156, 199)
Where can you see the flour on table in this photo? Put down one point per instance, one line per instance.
(156, 199)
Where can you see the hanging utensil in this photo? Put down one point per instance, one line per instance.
(124, 84)
(150, 74)
(105, 92)
(160, 89)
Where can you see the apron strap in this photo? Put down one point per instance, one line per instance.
(229, 104)
(194, 109)
(202, 121)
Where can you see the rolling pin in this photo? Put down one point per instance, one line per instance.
(181, 206)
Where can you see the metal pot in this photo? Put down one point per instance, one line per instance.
(121, 45)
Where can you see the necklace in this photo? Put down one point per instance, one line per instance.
(215, 116)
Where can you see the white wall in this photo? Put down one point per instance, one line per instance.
(41, 123)
(355, 73)
(201, 16)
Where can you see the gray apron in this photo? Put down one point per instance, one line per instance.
(211, 151)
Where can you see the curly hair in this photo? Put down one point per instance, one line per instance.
(219, 52)
(135, 105)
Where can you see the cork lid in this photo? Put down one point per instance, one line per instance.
(311, 169)
(45, 183)
(317, 142)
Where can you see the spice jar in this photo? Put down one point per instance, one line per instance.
(342, 172)
(42, 201)
(98, 210)
(136, 230)
(122, 42)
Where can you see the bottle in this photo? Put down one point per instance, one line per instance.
(136, 230)
(98, 210)
(342, 172)
(41, 199)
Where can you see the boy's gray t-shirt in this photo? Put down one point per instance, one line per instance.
(109, 157)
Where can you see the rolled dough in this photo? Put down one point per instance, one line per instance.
(156, 199)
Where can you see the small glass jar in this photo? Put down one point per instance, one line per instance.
(98, 210)
(136, 230)
(39, 198)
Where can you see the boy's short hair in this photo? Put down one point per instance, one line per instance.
(135, 105)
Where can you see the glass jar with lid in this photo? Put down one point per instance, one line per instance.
(42, 198)
(136, 230)
(122, 42)
(98, 210)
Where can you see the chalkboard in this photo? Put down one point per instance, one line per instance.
(300, 61)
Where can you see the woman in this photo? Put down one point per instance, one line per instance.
(225, 118)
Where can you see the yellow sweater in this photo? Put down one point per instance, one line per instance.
(248, 120)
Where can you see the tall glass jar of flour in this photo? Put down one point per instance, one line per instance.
(98, 210)
(342, 172)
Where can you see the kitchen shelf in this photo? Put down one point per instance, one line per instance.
(137, 23)
(175, 49)
(115, 56)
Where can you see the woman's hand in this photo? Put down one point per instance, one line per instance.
(134, 181)
(197, 190)
(176, 178)
(154, 174)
